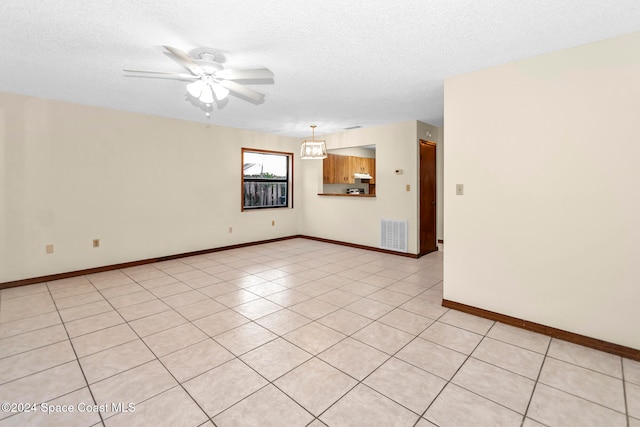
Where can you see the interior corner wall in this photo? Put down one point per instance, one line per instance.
(145, 186)
(357, 219)
(547, 229)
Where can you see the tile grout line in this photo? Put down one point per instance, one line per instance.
(73, 347)
(312, 357)
(159, 361)
(361, 382)
(624, 393)
(238, 357)
(535, 385)
(454, 374)
(316, 320)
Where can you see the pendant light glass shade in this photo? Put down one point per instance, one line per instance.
(195, 88)
(220, 91)
(207, 94)
(313, 149)
(205, 90)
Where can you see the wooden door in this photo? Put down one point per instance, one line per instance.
(428, 208)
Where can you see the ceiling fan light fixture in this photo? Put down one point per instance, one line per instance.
(220, 91)
(313, 149)
(209, 79)
(206, 96)
(195, 88)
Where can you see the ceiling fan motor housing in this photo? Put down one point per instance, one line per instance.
(208, 63)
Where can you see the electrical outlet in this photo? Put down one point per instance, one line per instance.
(49, 249)
(96, 243)
(230, 230)
(459, 189)
(273, 223)
(408, 187)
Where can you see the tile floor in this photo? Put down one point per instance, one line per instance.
(292, 333)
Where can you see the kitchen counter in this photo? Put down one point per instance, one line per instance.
(346, 195)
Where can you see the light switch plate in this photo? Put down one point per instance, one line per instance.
(459, 189)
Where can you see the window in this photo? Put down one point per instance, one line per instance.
(266, 179)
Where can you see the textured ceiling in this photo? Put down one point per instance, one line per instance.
(337, 63)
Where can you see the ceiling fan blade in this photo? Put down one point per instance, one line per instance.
(242, 90)
(185, 60)
(160, 74)
(248, 74)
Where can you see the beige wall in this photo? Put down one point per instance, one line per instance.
(145, 186)
(149, 186)
(548, 229)
(357, 220)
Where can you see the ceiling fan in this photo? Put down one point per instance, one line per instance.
(210, 81)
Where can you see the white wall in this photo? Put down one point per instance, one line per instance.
(357, 220)
(145, 186)
(548, 229)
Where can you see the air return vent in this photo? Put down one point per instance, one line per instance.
(393, 235)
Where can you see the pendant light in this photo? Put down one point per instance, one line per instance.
(313, 149)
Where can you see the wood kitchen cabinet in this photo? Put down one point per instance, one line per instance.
(328, 168)
(364, 165)
(338, 169)
(370, 168)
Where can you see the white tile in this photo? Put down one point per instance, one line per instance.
(44, 386)
(467, 321)
(174, 339)
(470, 410)
(196, 359)
(133, 386)
(452, 337)
(363, 406)
(354, 358)
(267, 407)
(589, 358)
(224, 386)
(432, 357)
(520, 337)
(39, 359)
(553, 407)
(631, 371)
(314, 337)
(633, 399)
(104, 364)
(401, 382)
(582, 382)
(245, 338)
(173, 407)
(315, 385)
(506, 356)
(501, 386)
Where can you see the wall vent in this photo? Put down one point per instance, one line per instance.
(393, 235)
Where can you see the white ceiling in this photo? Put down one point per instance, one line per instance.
(337, 63)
